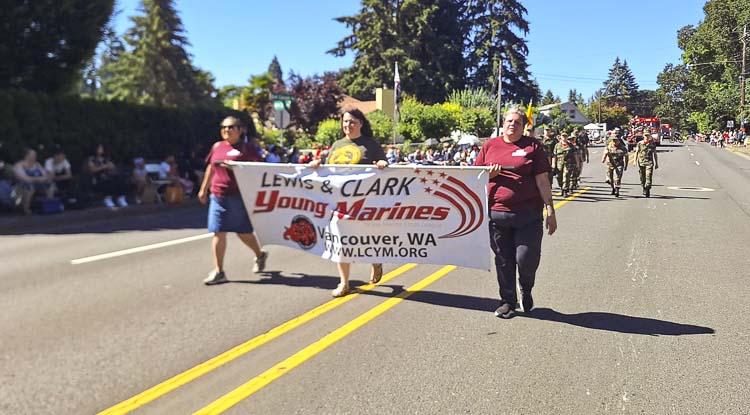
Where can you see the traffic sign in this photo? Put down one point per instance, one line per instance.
(282, 97)
(730, 123)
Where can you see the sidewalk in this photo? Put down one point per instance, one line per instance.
(15, 223)
(741, 151)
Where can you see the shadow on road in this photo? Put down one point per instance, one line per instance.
(594, 320)
(297, 280)
(597, 320)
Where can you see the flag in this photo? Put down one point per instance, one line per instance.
(396, 89)
(530, 115)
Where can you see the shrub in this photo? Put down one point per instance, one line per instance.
(477, 121)
(382, 126)
(30, 119)
(328, 132)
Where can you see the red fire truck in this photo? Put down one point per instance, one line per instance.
(649, 125)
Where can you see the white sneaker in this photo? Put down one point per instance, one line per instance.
(122, 202)
(108, 202)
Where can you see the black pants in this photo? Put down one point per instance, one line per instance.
(516, 240)
(111, 186)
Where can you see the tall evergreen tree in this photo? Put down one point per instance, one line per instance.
(492, 29)
(631, 86)
(549, 98)
(45, 44)
(422, 36)
(573, 97)
(274, 69)
(157, 69)
(620, 85)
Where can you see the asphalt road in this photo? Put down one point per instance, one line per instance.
(642, 307)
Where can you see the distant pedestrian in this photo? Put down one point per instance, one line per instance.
(226, 211)
(517, 198)
(616, 157)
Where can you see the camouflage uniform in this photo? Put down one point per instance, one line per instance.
(549, 143)
(565, 154)
(647, 161)
(616, 155)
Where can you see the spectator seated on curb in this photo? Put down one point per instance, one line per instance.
(7, 196)
(59, 170)
(169, 170)
(31, 179)
(105, 178)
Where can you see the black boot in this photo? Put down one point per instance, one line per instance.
(647, 192)
(613, 191)
(617, 192)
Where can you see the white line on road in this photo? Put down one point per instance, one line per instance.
(696, 163)
(139, 249)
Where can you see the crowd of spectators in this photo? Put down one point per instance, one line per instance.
(105, 179)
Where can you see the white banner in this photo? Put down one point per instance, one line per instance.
(422, 214)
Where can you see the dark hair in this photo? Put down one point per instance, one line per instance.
(356, 113)
(57, 149)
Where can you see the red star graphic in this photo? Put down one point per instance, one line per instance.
(428, 190)
(423, 180)
(443, 175)
(417, 171)
(436, 182)
(430, 172)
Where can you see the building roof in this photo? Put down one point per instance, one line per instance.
(365, 106)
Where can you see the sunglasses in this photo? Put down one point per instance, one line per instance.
(230, 127)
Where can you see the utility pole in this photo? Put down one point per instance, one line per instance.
(499, 91)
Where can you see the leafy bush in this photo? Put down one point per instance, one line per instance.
(382, 126)
(477, 121)
(328, 132)
(438, 121)
(411, 111)
(473, 98)
(29, 119)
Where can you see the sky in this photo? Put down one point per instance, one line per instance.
(572, 44)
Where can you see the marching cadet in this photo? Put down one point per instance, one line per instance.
(616, 157)
(566, 161)
(645, 155)
(549, 141)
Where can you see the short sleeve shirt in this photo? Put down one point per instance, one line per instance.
(362, 150)
(58, 169)
(646, 153)
(514, 190)
(223, 182)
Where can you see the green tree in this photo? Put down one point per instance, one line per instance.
(421, 36)
(157, 68)
(672, 95)
(549, 98)
(473, 98)
(274, 69)
(45, 44)
(494, 29)
(620, 85)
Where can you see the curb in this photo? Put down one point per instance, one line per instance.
(15, 224)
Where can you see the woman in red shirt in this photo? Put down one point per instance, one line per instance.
(226, 211)
(518, 190)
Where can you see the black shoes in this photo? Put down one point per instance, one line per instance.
(617, 192)
(647, 192)
(506, 310)
(527, 301)
(613, 191)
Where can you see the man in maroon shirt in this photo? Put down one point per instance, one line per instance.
(226, 211)
(518, 191)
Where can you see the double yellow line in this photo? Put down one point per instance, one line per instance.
(257, 383)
